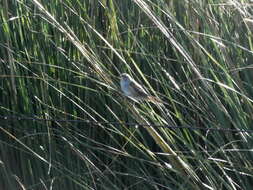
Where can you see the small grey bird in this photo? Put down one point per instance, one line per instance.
(134, 90)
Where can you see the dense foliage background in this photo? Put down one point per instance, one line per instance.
(61, 60)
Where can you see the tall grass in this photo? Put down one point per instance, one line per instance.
(62, 60)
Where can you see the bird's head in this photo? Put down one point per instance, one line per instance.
(125, 76)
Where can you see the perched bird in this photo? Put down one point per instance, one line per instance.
(134, 90)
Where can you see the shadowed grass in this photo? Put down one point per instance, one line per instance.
(62, 60)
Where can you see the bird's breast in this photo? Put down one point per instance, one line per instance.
(125, 87)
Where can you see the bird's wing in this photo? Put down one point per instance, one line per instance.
(137, 89)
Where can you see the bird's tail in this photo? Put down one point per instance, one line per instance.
(154, 99)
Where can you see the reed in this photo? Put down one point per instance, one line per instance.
(62, 60)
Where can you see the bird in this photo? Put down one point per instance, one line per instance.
(134, 90)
